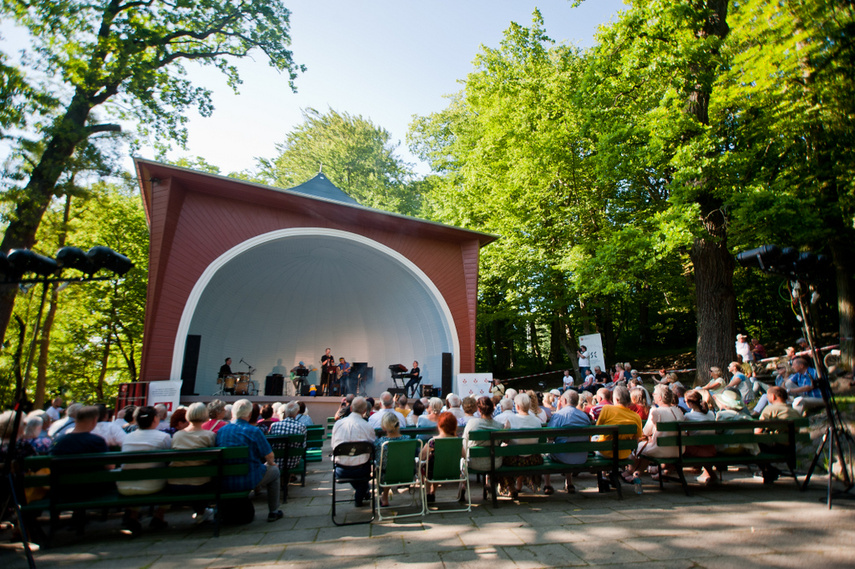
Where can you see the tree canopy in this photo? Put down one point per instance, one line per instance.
(120, 60)
(355, 154)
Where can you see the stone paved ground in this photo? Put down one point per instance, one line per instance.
(741, 524)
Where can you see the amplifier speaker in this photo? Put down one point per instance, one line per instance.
(427, 390)
(446, 372)
(273, 384)
(191, 362)
(304, 390)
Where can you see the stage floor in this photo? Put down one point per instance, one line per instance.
(318, 408)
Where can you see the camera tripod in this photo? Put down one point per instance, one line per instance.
(836, 436)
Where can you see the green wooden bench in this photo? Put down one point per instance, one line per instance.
(783, 435)
(314, 446)
(413, 432)
(83, 481)
(496, 447)
(284, 448)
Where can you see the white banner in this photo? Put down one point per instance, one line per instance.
(594, 343)
(166, 392)
(474, 384)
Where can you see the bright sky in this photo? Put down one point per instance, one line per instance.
(385, 60)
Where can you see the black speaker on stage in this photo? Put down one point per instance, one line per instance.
(273, 384)
(446, 372)
(427, 391)
(191, 362)
(304, 390)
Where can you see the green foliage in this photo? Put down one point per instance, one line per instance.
(355, 154)
(96, 338)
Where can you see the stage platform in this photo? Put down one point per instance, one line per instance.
(318, 408)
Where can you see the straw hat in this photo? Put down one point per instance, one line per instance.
(729, 399)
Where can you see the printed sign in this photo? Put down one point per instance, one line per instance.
(594, 343)
(474, 384)
(165, 392)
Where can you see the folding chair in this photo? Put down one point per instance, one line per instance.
(448, 466)
(354, 449)
(399, 466)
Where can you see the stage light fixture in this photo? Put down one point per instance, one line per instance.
(105, 258)
(785, 261)
(75, 258)
(26, 261)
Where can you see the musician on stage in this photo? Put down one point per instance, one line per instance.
(225, 371)
(328, 370)
(415, 377)
(297, 378)
(344, 377)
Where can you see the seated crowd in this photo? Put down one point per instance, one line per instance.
(90, 429)
(601, 399)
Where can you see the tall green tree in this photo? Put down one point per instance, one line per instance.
(788, 99)
(124, 60)
(655, 70)
(355, 154)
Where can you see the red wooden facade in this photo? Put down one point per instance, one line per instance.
(195, 217)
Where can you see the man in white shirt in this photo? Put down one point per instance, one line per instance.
(567, 380)
(55, 409)
(108, 430)
(388, 406)
(452, 403)
(507, 409)
(354, 428)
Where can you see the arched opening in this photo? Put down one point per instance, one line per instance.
(291, 293)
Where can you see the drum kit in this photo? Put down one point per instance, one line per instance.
(240, 383)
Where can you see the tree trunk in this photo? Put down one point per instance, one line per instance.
(535, 342)
(844, 264)
(102, 375)
(44, 342)
(715, 299)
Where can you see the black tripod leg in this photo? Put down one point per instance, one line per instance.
(21, 525)
(816, 456)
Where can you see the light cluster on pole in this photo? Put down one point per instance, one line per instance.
(20, 262)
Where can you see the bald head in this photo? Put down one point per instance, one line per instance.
(359, 405)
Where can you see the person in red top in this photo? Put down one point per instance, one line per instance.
(217, 413)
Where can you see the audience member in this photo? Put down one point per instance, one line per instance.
(567, 416)
(55, 409)
(148, 437)
(664, 411)
(112, 433)
(216, 416)
(263, 472)
(354, 428)
(66, 424)
(484, 422)
(418, 411)
(716, 382)
(387, 403)
(193, 437)
(289, 425)
(391, 425)
(470, 410)
(522, 419)
(446, 424)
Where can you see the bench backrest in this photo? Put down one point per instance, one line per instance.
(619, 437)
(86, 469)
(777, 431)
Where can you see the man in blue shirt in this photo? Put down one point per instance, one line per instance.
(568, 415)
(802, 385)
(263, 471)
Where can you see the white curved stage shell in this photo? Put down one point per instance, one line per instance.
(289, 294)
